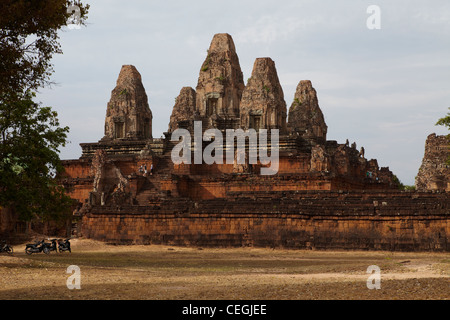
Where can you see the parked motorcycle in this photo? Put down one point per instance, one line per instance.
(51, 246)
(4, 247)
(37, 247)
(64, 245)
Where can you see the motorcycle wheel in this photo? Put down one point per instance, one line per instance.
(29, 251)
(46, 250)
(9, 250)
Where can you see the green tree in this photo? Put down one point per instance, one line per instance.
(444, 121)
(30, 138)
(29, 39)
(30, 134)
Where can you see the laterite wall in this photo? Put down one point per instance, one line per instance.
(374, 221)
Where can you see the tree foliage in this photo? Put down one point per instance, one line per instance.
(29, 159)
(444, 121)
(28, 40)
(30, 134)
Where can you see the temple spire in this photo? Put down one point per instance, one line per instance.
(220, 84)
(128, 115)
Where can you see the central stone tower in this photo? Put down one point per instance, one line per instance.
(220, 86)
(263, 105)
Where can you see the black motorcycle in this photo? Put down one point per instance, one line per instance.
(64, 245)
(37, 247)
(51, 246)
(4, 247)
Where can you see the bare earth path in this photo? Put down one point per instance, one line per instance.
(166, 273)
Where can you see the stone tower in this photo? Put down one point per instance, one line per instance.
(262, 104)
(305, 116)
(220, 85)
(183, 111)
(434, 174)
(128, 116)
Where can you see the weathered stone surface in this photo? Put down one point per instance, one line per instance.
(305, 115)
(220, 84)
(325, 195)
(301, 220)
(184, 109)
(97, 168)
(262, 104)
(342, 160)
(434, 174)
(320, 160)
(128, 114)
(110, 185)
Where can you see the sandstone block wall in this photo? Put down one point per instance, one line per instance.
(328, 220)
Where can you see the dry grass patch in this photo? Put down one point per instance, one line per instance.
(165, 273)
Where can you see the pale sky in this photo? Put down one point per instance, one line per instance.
(384, 89)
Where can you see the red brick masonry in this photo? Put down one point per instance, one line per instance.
(399, 221)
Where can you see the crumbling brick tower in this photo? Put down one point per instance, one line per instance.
(128, 121)
(305, 116)
(434, 174)
(128, 115)
(262, 104)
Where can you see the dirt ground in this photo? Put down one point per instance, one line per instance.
(174, 273)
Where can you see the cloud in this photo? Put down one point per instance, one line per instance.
(268, 29)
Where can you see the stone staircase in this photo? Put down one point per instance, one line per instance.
(164, 167)
(150, 194)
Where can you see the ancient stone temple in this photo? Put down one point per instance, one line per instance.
(324, 194)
